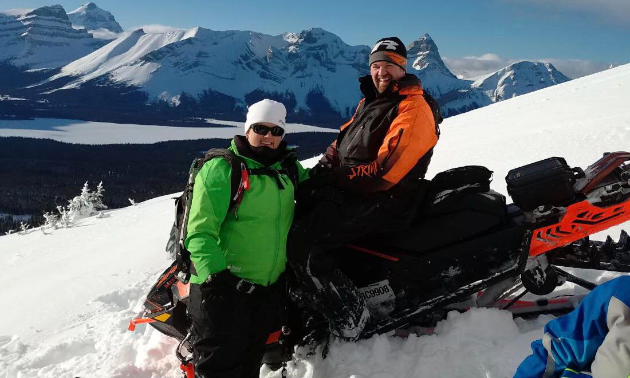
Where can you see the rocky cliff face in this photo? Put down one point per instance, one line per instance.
(425, 61)
(95, 20)
(43, 38)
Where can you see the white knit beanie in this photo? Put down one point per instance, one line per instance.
(266, 111)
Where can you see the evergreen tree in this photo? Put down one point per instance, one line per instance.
(81, 206)
(65, 220)
(23, 228)
(96, 198)
(51, 221)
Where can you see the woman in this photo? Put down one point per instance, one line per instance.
(237, 290)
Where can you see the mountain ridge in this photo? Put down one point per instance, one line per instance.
(219, 73)
(33, 38)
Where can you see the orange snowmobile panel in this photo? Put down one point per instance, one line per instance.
(183, 290)
(134, 322)
(581, 219)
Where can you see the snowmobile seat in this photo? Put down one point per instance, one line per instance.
(463, 218)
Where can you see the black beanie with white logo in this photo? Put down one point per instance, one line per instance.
(390, 49)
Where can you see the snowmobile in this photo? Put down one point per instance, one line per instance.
(467, 245)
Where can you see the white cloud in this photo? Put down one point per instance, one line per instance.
(611, 10)
(474, 66)
(104, 34)
(16, 12)
(575, 68)
(156, 28)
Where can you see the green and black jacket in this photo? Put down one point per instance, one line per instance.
(252, 242)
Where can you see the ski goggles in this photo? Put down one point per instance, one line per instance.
(263, 130)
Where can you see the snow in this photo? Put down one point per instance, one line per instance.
(102, 33)
(42, 38)
(9, 98)
(16, 12)
(68, 295)
(127, 48)
(579, 120)
(165, 63)
(84, 132)
(89, 16)
(518, 78)
(472, 344)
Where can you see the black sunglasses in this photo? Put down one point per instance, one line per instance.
(263, 130)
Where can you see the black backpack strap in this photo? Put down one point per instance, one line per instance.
(435, 109)
(289, 164)
(289, 168)
(236, 178)
(175, 245)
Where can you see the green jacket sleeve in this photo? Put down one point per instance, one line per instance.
(211, 198)
(303, 173)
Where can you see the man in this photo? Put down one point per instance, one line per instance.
(367, 182)
(594, 337)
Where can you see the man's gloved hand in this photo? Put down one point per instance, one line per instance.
(319, 176)
(320, 170)
(331, 156)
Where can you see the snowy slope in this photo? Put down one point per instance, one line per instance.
(119, 54)
(68, 295)
(511, 81)
(563, 120)
(95, 20)
(42, 38)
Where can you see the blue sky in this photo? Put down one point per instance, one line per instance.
(578, 31)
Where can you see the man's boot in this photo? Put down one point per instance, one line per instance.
(339, 300)
(315, 333)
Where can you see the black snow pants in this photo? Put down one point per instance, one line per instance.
(230, 326)
(329, 218)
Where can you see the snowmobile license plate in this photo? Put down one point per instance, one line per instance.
(377, 293)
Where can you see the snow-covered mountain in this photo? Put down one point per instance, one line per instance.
(517, 79)
(100, 23)
(313, 72)
(218, 73)
(425, 61)
(70, 293)
(511, 81)
(459, 95)
(305, 70)
(42, 38)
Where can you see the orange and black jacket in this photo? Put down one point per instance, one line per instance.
(388, 141)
